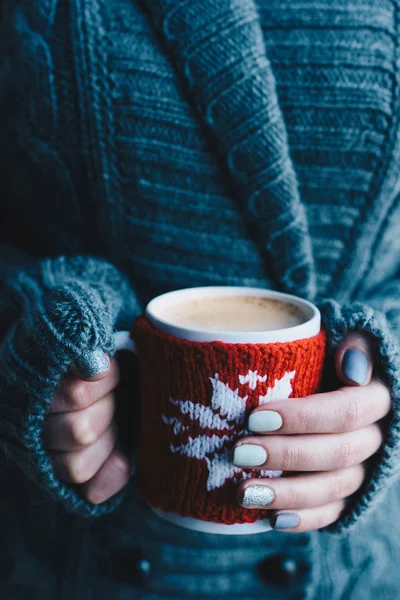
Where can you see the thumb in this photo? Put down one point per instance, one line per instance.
(355, 359)
(92, 366)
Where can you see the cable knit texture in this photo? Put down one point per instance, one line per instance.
(168, 144)
(342, 320)
(67, 310)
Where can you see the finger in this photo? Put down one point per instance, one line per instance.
(76, 394)
(346, 409)
(80, 466)
(92, 366)
(307, 519)
(322, 452)
(354, 359)
(301, 491)
(109, 479)
(76, 429)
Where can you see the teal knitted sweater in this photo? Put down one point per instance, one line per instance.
(148, 146)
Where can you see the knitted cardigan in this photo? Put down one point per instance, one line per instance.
(148, 146)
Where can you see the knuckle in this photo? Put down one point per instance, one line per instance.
(343, 455)
(294, 497)
(77, 469)
(82, 431)
(79, 393)
(290, 457)
(342, 486)
(336, 490)
(308, 420)
(98, 490)
(91, 494)
(349, 411)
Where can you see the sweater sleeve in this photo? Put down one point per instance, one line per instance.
(53, 313)
(380, 318)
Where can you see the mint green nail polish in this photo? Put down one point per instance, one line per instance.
(264, 420)
(249, 455)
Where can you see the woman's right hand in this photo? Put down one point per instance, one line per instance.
(80, 434)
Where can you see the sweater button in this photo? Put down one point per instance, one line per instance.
(282, 570)
(289, 566)
(143, 568)
(142, 572)
(130, 566)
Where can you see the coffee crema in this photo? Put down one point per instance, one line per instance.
(234, 313)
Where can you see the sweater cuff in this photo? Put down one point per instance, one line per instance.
(68, 308)
(384, 465)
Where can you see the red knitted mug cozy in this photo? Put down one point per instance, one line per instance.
(195, 400)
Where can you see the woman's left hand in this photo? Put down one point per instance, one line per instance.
(326, 438)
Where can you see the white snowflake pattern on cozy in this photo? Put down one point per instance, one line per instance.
(226, 413)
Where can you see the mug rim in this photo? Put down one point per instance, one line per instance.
(309, 328)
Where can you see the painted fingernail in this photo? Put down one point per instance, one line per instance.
(93, 363)
(264, 420)
(286, 521)
(355, 365)
(249, 455)
(257, 495)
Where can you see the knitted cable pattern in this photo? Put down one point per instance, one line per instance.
(195, 398)
(384, 465)
(68, 309)
(235, 92)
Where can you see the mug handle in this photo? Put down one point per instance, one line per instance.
(123, 341)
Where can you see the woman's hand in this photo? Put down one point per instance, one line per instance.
(326, 438)
(80, 434)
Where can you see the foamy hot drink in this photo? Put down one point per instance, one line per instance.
(234, 313)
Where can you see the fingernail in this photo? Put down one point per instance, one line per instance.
(249, 455)
(257, 495)
(264, 420)
(286, 521)
(93, 363)
(355, 365)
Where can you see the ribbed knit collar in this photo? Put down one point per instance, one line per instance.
(219, 50)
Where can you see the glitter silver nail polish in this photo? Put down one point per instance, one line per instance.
(93, 363)
(257, 495)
